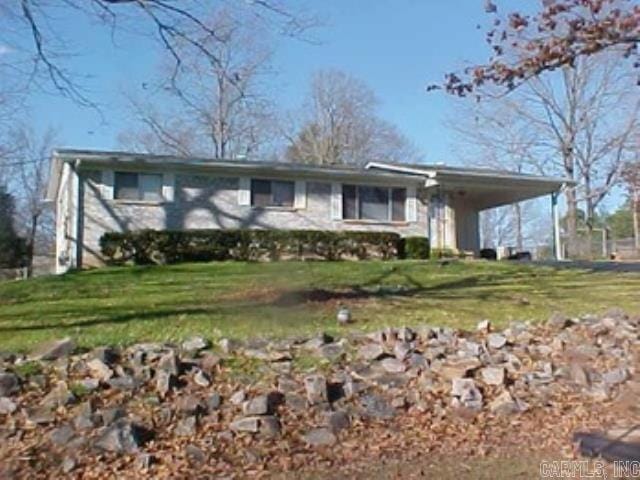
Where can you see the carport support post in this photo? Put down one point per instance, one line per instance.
(557, 244)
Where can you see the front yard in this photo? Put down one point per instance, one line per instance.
(126, 305)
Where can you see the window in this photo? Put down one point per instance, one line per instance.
(373, 203)
(398, 201)
(138, 186)
(272, 193)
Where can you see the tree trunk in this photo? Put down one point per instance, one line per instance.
(635, 206)
(572, 222)
(31, 241)
(519, 236)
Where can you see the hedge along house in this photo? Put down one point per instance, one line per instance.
(95, 192)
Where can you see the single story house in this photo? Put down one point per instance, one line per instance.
(99, 191)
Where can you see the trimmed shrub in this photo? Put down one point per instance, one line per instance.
(165, 246)
(489, 254)
(416, 248)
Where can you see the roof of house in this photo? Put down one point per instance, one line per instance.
(455, 177)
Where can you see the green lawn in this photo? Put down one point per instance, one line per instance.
(125, 305)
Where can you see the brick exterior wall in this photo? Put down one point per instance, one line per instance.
(202, 202)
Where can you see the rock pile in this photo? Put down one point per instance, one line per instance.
(235, 405)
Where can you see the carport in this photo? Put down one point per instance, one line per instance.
(457, 195)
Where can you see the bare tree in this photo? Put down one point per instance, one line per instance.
(491, 134)
(33, 30)
(218, 109)
(340, 124)
(34, 218)
(632, 180)
(578, 123)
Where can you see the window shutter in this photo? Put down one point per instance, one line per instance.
(412, 205)
(244, 191)
(168, 187)
(300, 200)
(336, 201)
(107, 184)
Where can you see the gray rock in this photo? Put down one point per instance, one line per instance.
(336, 421)
(453, 369)
(388, 380)
(84, 418)
(370, 351)
(107, 355)
(238, 397)
(228, 346)
(9, 384)
(615, 376)
(126, 383)
(195, 344)
(286, 385)
(84, 422)
(187, 426)
(505, 404)
(59, 396)
(123, 436)
(195, 454)
(399, 401)
(169, 363)
(351, 388)
(62, 435)
(68, 464)
(110, 415)
(417, 361)
(191, 405)
(214, 401)
(466, 394)
(99, 369)
(201, 379)
(496, 341)
(41, 415)
(246, 424)
(165, 382)
(320, 437)
(316, 389)
(295, 402)
(559, 321)
(471, 349)
(484, 326)
(401, 350)
(332, 351)
(269, 426)
(578, 374)
(257, 406)
(7, 406)
(377, 407)
(405, 334)
(89, 384)
(493, 375)
(209, 361)
(393, 365)
(54, 350)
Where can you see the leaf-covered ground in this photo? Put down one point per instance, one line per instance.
(125, 305)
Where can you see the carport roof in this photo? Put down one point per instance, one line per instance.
(482, 187)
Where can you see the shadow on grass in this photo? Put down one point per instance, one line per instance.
(373, 290)
(113, 319)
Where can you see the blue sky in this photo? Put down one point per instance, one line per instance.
(397, 47)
